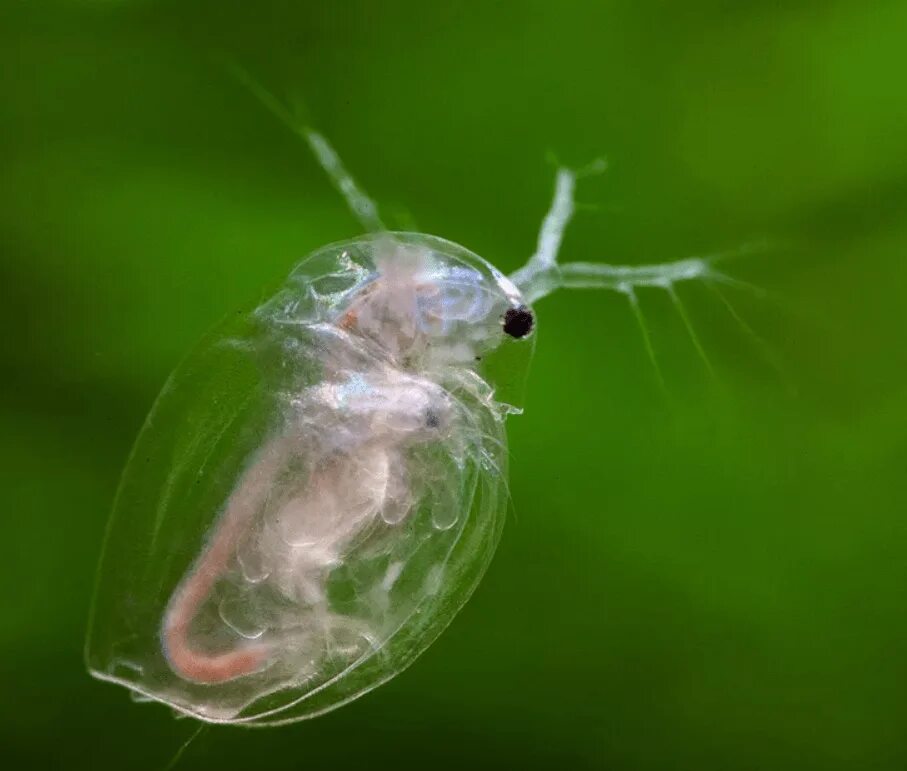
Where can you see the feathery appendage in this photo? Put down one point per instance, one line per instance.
(359, 202)
(542, 275)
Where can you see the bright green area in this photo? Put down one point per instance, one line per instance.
(713, 579)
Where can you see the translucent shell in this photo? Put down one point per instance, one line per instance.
(318, 488)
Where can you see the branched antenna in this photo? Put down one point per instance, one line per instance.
(552, 231)
(360, 204)
(538, 276)
(542, 275)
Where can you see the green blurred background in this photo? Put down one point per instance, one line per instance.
(709, 579)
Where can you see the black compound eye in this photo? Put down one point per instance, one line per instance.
(518, 321)
(432, 418)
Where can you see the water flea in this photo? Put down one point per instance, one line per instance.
(321, 484)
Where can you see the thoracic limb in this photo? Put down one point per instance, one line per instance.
(360, 204)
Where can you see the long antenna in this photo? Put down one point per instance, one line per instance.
(360, 204)
(541, 275)
(538, 276)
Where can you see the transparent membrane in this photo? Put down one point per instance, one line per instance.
(318, 488)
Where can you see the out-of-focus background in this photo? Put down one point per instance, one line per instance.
(714, 578)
